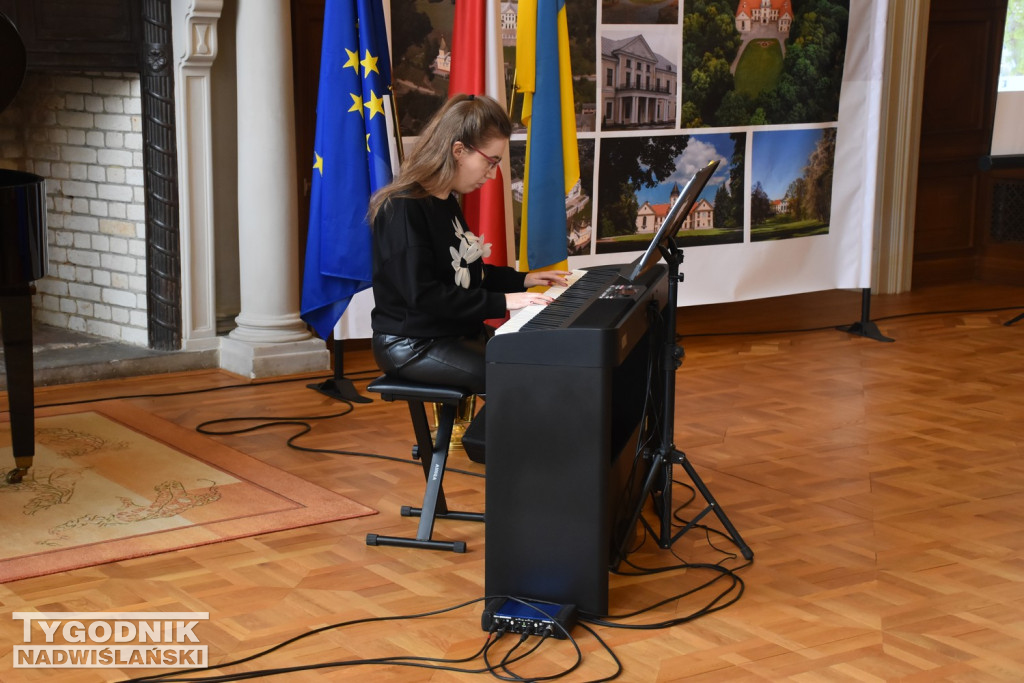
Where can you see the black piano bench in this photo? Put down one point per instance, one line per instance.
(434, 505)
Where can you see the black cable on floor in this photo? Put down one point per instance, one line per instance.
(305, 428)
(168, 676)
(432, 663)
(186, 392)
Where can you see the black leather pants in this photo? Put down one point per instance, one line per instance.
(451, 361)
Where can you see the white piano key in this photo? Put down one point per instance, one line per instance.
(525, 315)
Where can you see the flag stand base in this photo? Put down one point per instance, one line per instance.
(341, 390)
(337, 387)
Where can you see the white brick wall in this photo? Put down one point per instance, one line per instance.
(83, 133)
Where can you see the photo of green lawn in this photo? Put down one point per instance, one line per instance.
(762, 63)
(759, 67)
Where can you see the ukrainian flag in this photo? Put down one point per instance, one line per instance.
(351, 159)
(544, 77)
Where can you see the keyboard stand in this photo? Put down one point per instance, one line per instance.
(658, 483)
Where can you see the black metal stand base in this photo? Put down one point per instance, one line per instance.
(663, 502)
(409, 511)
(864, 327)
(338, 387)
(434, 504)
(422, 544)
(1015, 320)
(340, 390)
(427, 543)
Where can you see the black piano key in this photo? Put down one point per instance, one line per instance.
(562, 310)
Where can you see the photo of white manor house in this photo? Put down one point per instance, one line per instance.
(638, 86)
(649, 217)
(760, 14)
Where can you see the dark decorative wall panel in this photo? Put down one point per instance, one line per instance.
(163, 257)
(1008, 211)
(80, 35)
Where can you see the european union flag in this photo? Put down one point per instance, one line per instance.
(351, 159)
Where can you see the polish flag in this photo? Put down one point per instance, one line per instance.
(478, 68)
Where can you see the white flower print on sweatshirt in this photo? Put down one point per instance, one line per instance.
(471, 248)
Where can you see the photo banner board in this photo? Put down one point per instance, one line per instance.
(792, 209)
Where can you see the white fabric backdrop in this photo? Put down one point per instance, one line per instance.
(752, 270)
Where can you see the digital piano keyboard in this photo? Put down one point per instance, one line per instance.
(567, 388)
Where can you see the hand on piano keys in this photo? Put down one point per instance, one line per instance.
(524, 315)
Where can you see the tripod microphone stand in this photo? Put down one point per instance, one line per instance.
(658, 483)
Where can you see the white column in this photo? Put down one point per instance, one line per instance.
(896, 199)
(195, 46)
(270, 338)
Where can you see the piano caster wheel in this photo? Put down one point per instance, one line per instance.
(16, 475)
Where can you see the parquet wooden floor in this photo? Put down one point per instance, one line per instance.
(880, 486)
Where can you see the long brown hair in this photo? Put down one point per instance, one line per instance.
(470, 119)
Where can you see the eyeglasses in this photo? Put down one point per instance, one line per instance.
(492, 161)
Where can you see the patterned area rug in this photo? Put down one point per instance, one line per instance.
(116, 482)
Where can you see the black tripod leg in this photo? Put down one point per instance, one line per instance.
(663, 503)
(713, 505)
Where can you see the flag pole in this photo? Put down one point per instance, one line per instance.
(363, 26)
(339, 387)
(394, 122)
(512, 93)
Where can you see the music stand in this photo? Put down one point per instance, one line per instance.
(658, 482)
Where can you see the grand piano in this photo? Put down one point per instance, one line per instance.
(22, 261)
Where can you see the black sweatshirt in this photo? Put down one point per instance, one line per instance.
(429, 277)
